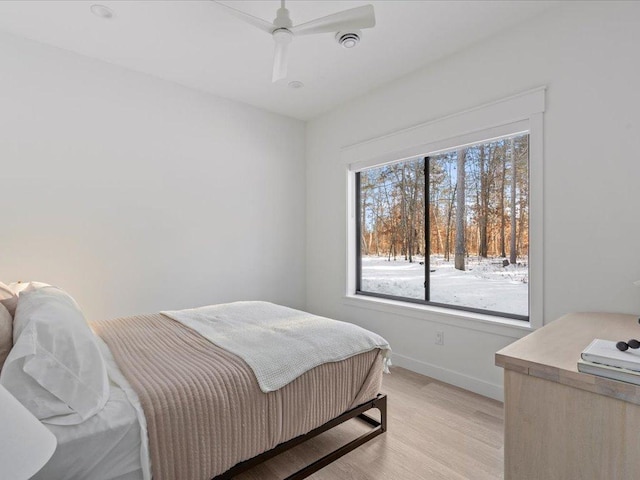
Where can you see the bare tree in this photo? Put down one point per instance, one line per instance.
(484, 201)
(513, 254)
(365, 186)
(450, 206)
(460, 210)
(522, 245)
(503, 223)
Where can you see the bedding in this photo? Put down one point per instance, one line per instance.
(55, 368)
(111, 445)
(204, 409)
(105, 447)
(277, 342)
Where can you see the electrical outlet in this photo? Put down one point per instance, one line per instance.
(439, 338)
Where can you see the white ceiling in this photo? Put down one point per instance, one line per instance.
(197, 44)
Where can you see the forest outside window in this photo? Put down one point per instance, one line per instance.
(450, 228)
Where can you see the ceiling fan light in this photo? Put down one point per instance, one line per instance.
(348, 39)
(282, 35)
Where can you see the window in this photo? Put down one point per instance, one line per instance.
(448, 228)
(422, 161)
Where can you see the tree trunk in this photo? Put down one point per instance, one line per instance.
(513, 254)
(434, 210)
(460, 210)
(447, 246)
(484, 210)
(436, 225)
(503, 223)
(363, 216)
(523, 227)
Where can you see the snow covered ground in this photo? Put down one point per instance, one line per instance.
(485, 284)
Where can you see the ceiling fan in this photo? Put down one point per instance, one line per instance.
(345, 23)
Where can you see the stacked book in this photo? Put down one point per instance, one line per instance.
(602, 358)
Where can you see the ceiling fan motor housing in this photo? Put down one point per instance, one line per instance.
(282, 20)
(348, 39)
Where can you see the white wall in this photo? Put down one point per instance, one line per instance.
(586, 53)
(136, 194)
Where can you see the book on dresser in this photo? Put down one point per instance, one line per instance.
(601, 357)
(606, 353)
(614, 373)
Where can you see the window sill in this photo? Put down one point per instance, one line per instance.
(505, 327)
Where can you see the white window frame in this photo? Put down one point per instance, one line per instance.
(517, 113)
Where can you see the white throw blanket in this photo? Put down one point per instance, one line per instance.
(279, 343)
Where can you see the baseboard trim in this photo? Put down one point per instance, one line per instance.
(452, 377)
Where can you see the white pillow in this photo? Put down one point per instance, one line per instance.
(6, 335)
(55, 368)
(17, 287)
(8, 298)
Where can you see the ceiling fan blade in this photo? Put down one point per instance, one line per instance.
(280, 59)
(359, 17)
(255, 21)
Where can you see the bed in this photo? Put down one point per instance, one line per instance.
(179, 405)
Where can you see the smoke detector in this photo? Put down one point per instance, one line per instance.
(348, 39)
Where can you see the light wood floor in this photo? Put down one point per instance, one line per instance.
(435, 431)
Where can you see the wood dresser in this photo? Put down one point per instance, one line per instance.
(560, 423)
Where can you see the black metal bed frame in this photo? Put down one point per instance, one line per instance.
(379, 427)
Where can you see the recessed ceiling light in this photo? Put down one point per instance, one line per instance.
(295, 84)
(102, 11)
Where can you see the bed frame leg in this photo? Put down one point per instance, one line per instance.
(379, 403)
(379, 427)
